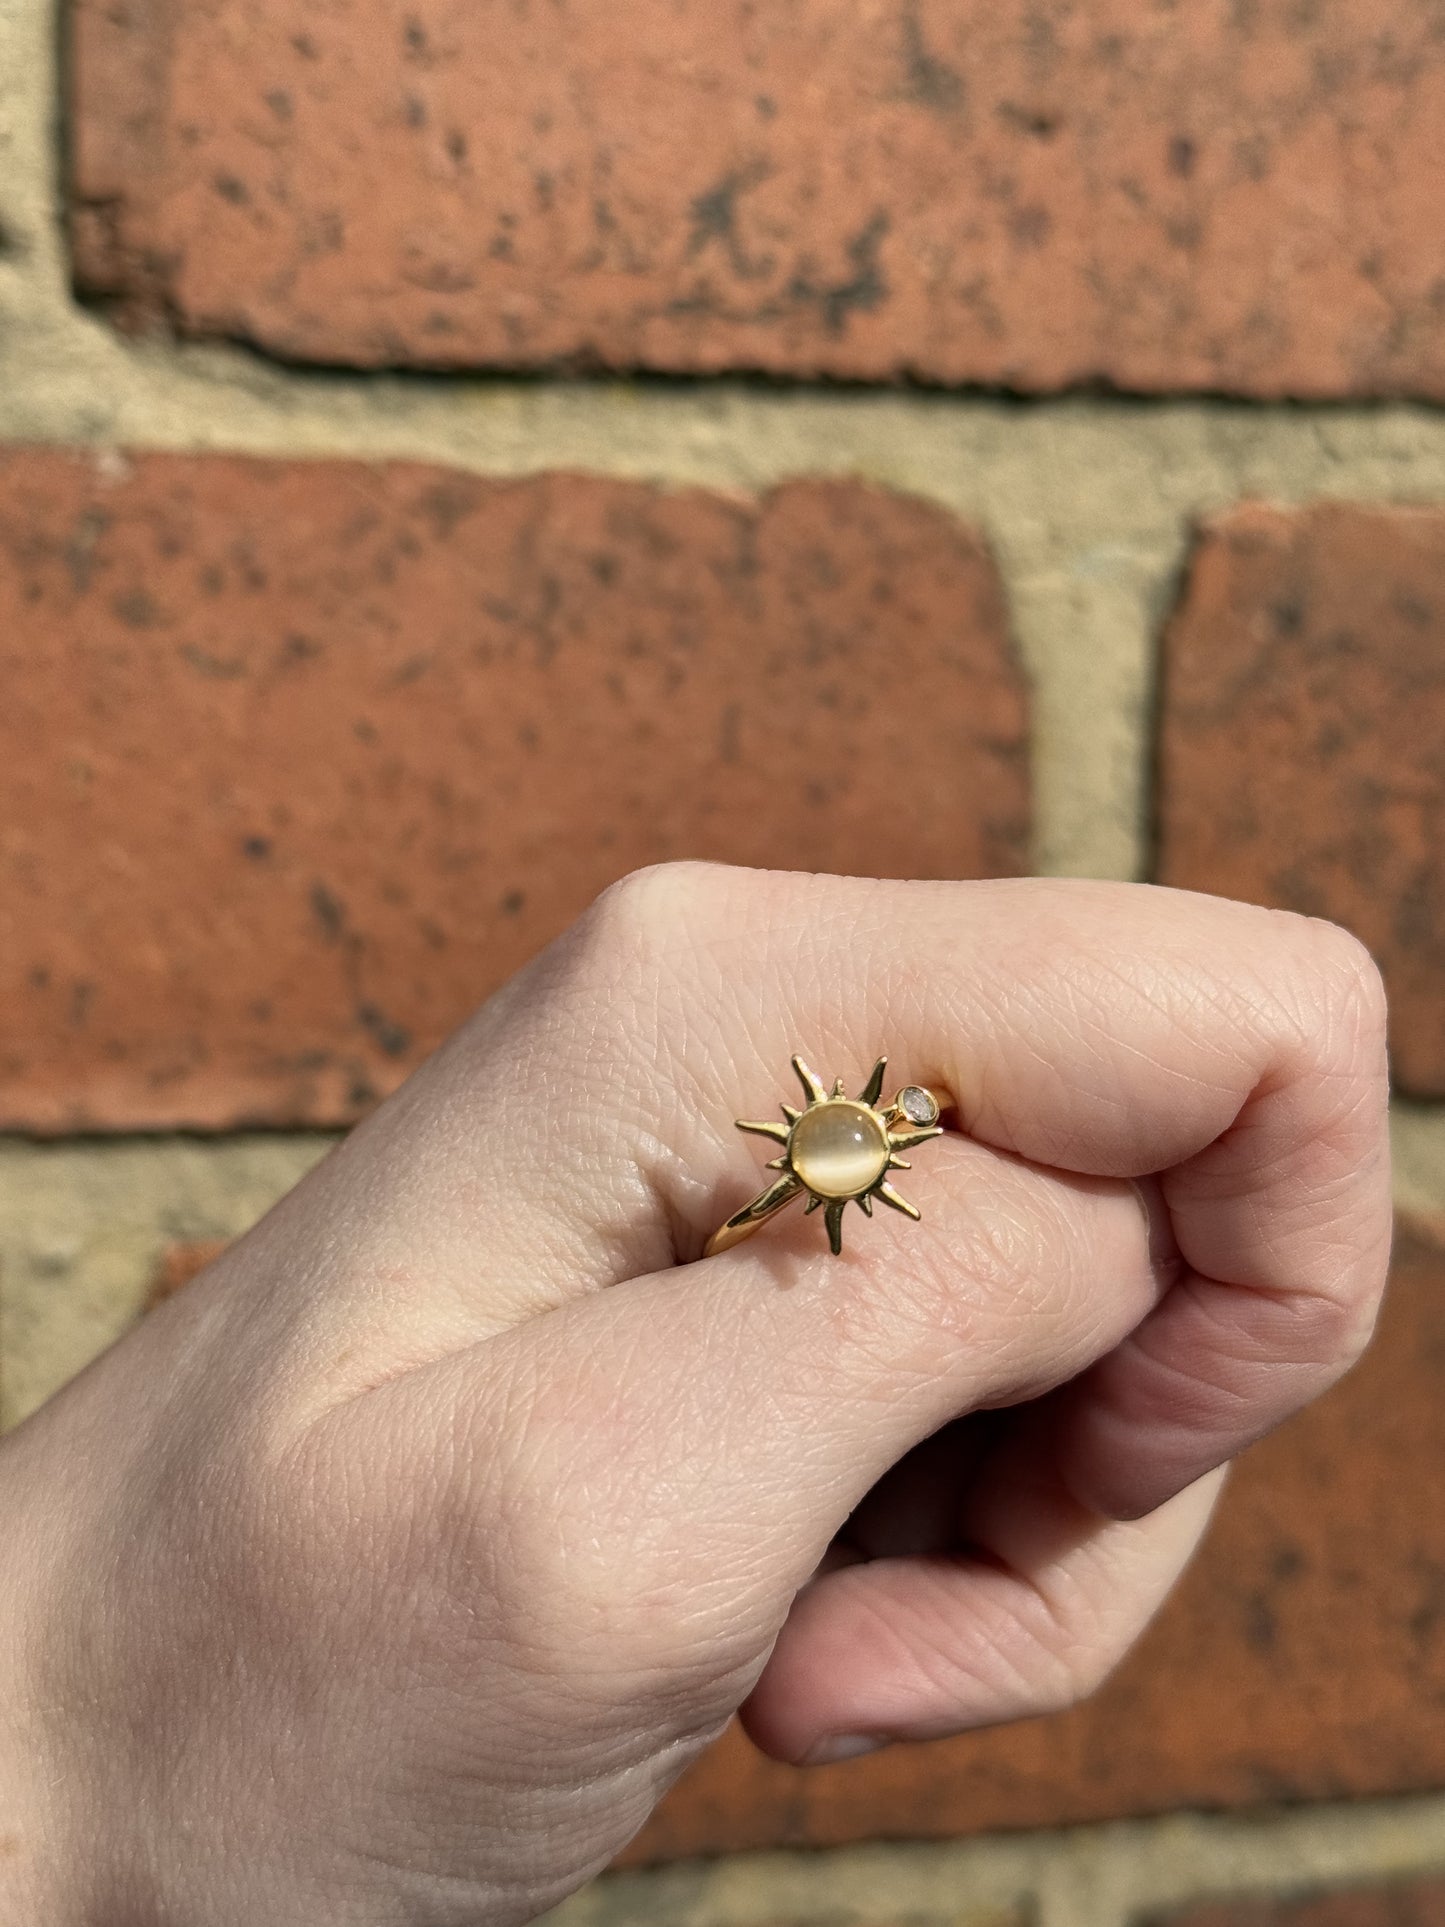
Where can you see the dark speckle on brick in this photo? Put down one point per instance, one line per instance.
(256, 847)
(513, 903)
(1031, 226)
(447, 503)
(1183, 155)
(1252, 156)
(715, 219)
(136, 609)
(394, 1038)
(863, 290)
(1288, 1562)
(231, 188)
(928, 81)
(279, 101)
(206, 663)
(328, 912)
(1034, 122)
(1260, 1626)
(81, 547)
(1418, 611)
(1288, 616)
(361, 1092)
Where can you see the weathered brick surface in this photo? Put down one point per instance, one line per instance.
(1033, 192)
(1302, 758)
(1405, 1903)
(1303, 1657)
(298, 760)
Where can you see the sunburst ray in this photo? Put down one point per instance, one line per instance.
(885, 1191)
(833, 1218)
(777, 1194)
(873, 1089)
(812, 1084)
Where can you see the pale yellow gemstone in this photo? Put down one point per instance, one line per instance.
(839, 1149)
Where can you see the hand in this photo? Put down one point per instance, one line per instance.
(391, 1572)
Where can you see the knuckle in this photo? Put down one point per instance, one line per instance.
(644, 933)
(1078, 1642)
(1338, 1327)
(626, 962)
(1324, 1001)
(1353, 971)
(1347, 1000)
(647, 912)
(1029, 1659)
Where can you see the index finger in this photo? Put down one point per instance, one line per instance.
(1235, 1053)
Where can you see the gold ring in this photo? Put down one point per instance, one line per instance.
(837, 1149)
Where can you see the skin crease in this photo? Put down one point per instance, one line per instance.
(390, 1572)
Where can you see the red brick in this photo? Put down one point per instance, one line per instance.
(1404, 1903)
(1027, 192)
(299, 760)
(1303, 1658)
(1303, 738)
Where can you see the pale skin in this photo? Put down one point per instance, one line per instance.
(390, 1572)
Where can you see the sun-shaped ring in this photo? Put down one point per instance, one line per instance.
(836, 1150)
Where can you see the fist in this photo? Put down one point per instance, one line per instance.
(392, 1571)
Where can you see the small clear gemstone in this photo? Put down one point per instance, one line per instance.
(838, 1148)
(917, 1105)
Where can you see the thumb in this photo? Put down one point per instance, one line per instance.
(709, 1428)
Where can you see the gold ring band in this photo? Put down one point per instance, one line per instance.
(837, 1150)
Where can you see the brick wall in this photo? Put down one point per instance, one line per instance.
(396, 527)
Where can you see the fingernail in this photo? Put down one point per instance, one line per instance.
(1163, 1245)
(841, 1746)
